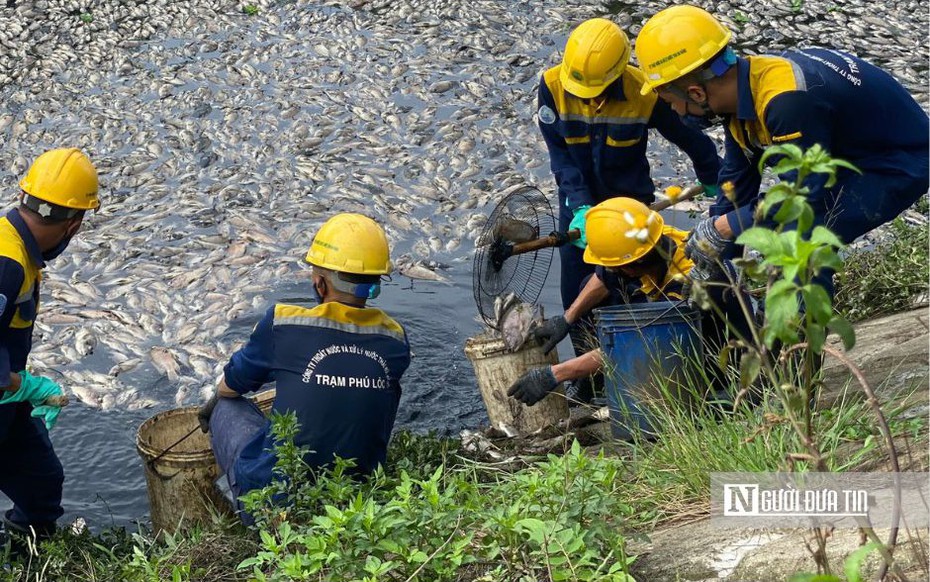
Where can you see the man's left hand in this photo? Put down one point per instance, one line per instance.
(705, 243)
(578, 223)
(47, 413)
(32, 389)
(710, 190)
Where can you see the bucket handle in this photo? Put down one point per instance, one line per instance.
(151, 462)
(155, 471)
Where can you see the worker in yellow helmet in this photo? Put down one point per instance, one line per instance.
(60, 186)
(337, 365)
(637, 258)
(595, 122)
(851, 108)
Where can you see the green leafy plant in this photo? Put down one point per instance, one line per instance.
(250, 9)
(796, 251)
(560, 518)
(87, 17)
(786, 356)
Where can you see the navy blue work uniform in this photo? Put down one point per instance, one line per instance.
(597, 150)
(337, 367)
(31, 474)
(855, 111)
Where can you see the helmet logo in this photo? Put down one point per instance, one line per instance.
(576, 75)
(666, 59)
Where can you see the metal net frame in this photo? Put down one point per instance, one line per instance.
(525, 274)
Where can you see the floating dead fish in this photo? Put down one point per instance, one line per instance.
(418, 270)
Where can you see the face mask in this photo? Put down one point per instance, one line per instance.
(698, 122)
(59, 248)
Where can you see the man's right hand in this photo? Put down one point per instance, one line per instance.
(206, 411)
(552, 331)
(533, 386)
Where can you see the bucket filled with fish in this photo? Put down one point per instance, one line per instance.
(180, 470)
(501, 356)
(497, 368)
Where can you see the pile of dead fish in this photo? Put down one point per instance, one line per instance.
(225, 137)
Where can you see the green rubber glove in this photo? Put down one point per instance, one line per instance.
(32, 389)
(48, 413)
(578, 222)
(711, 190)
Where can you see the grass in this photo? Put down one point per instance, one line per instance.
(886, 278)
(491, 523)
(208, 553)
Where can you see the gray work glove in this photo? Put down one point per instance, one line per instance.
(704, 244)
(552, 331)
(533, 386)
(703, 272)
(206, 411)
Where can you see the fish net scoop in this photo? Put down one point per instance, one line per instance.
(524, 214)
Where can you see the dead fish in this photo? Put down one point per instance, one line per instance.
(87, 395)
(165, 362)
(515, 320)
(511, 230)
(85, 341)
(124, 366)
(418, 270)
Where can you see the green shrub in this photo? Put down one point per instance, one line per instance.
(443, 519)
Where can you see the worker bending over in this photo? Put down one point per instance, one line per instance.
(595, 120)
(851, 108)
(629, 243)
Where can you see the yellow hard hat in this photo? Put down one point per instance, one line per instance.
(677, 41)
(620, 231)
(62, 177)
(351, 243)
(595, 56)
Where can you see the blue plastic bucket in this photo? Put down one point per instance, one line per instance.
(643, 341)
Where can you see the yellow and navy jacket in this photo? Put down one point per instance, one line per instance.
(854, 110)
(672, 246)
(338, 368)
(20, 273)
(597, 149)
